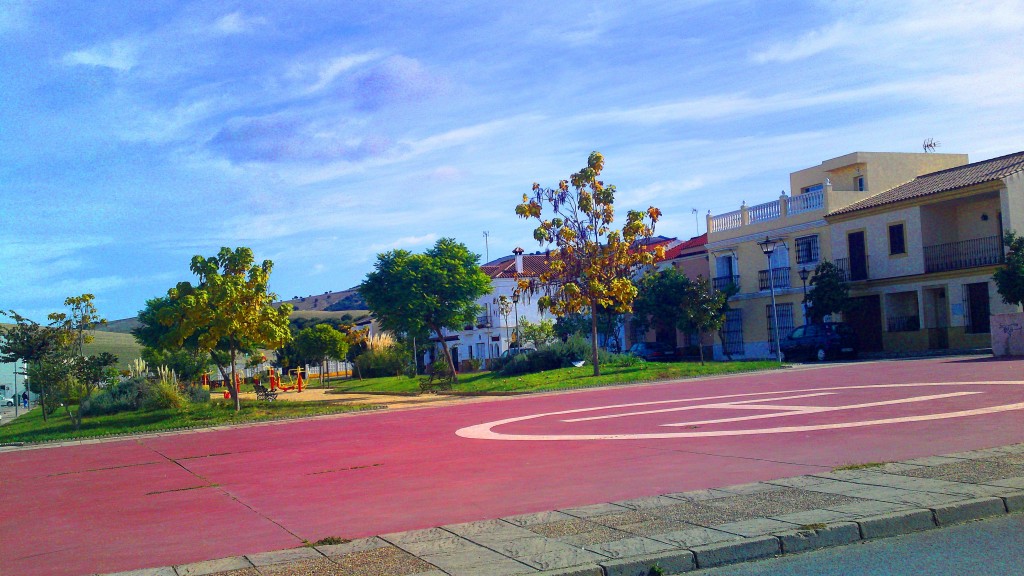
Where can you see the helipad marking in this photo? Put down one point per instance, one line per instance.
(485, 431)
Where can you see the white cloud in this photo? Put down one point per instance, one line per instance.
(118, 55)
(329, 71)
(237, 23)
(811, 43)
(406, 242)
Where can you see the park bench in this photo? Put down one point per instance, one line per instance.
(263, 393)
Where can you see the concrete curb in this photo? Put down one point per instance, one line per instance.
(895, 523)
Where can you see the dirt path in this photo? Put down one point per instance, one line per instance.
(391, 401)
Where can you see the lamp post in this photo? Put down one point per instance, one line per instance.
(515, 303)
(804, 273)
(768, 246)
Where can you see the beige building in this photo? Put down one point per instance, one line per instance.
(796, 222)
(920, 256)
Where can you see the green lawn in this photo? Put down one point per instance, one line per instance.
(562, 379)
(31, 428)
(119, 344)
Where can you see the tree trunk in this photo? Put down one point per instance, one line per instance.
(42, 399)
(233, 387)
(447, 355)
(700, 347)
(593, 336)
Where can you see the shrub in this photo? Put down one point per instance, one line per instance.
(121, 396)
(551, 357)
(198, 394)
(383, 362)
(163, 395)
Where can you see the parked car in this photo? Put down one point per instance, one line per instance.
(515, 351)
(822, 341)
(9, 401)
(654, 351)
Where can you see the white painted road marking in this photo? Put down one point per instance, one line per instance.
(486, 431)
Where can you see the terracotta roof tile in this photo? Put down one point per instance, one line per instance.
(691, 244)
(533, 265)
(949, 179)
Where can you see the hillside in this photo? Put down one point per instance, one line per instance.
(328, 301)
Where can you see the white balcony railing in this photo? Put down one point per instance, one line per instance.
(727, 221)
(767, 211)
(806, 202)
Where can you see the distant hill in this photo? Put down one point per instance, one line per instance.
(123, 326)
(328, 301)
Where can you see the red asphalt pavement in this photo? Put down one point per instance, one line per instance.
(187, 497)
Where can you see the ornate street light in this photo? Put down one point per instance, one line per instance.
(515, 303)
(804, 273)
(768, 246)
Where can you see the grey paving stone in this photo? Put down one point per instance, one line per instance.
(656, 526)
(798, 481)
(809, 539)
(479, 561)
(755, 527)
(930, 461)
(561, 528)
(449, 545)
(698, 495)
(319, 566)
(900, 467)
(630, 517)
(593, 537)
(972, 471)
(750, 488)
(416, 535)
(359, 545)
(531, 547)
(1011, 449)
(214, 566)
(819, 516)
(499, 528)
(280, 556)
(536, 518)
(560, 558)
(589, 570)
(930, 499)
(674, 562)
(594, 510)
(694, 537)
(781, 501)
(646, 503)
(1015, 483)
(870, 508)
(974, 454)
(701, 513)
(629, 547)
(1014, 501)
(968, 510)
(384, 561)
(730, 552)
(903, 522)
(161, 571)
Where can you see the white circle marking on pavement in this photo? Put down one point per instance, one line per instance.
(758, 401)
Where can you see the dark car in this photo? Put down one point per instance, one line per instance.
(654, 351)
(820, 342)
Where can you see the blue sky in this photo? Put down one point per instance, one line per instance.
(134, 135)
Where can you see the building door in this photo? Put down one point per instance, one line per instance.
(977, 307)
(858, 256)
(865, 317)
(936, 317)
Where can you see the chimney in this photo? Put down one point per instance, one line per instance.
(519, 260)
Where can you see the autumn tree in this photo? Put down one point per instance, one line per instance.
(320, 343)
(81, 317)
(592, 264)
(417, 293)
(228, 310)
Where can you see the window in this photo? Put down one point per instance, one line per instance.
(897, 240)
(858, 183)
(815, 188)
(732, 332)
(785, 322)
(807, 249)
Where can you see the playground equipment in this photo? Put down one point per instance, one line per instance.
(296, 377)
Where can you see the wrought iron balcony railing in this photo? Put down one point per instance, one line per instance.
(722, 283)
(853, 271)
(779, 278)
(963, 254)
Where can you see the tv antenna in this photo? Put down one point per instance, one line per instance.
(696, 220)
(930, 144)
(487, 249)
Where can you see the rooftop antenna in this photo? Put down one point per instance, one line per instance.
(930, 144)
(696, 221)
(487, 248)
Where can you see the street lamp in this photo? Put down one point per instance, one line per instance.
(515, 304)
(768, 246)
(804, 273)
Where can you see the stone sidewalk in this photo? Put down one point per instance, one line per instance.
(676, 532)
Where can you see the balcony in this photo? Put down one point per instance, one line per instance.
(858, 271)
(722, 283)
(964, 254)
(483, 321)
(779, 278)
(777, 209)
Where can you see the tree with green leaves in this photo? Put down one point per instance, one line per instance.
(82, 317)
(419, 293)
(321, 343)
(540, 332)
(704, 310)
(591, 265)
(1009, 277)
(229, 309)
(670, 298)
(829, 292)
(31, 343)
